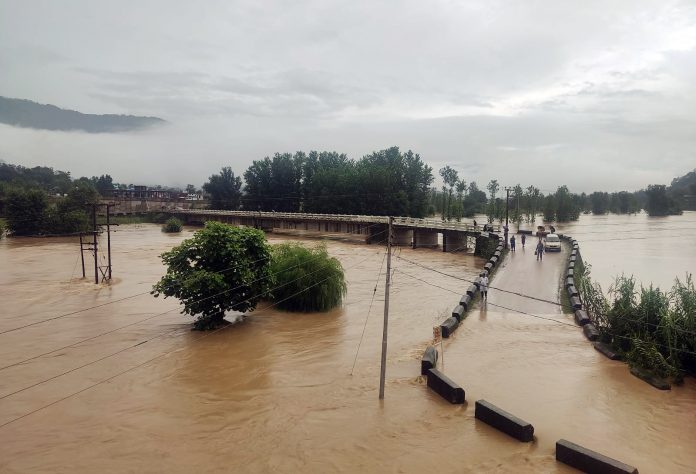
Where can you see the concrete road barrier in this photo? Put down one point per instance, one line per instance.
(466, 301)
(590, 461)
(504, 421)
(572, 291)
(458, 312)
(571, 265)
(581, 317)
(493, 259)
(429, 360)
(569, 281)
(573, 258)
(570, 272)
(445, 387)
(651, 378)
(575, 302)
(606, 350)
(497, 253)
(590, 331)
(449, 326)
(472, 290)
(488, 267)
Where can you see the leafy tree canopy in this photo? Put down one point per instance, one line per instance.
(224, 189)
(221, 268)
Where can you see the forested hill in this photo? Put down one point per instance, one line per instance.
(28, 114)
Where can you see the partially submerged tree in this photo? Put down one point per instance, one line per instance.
(221, 268)
(306, 279)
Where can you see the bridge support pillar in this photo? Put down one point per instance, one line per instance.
(402, 237)
(424, 238)
(453, 241)
(377, 234)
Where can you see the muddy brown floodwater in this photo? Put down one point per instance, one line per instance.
(127, 387)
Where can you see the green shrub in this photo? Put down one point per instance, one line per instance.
(172, 225)
(306, 279)
(655, 330)
(2, 228)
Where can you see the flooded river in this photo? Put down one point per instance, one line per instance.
(127, 387)
(652, 249)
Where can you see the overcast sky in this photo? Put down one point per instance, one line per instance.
(592, 94)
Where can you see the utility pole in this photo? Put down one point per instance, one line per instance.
(108, 236)
(94, 243)
(383, 368)
(507, 204)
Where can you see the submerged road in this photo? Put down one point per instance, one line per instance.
(540, 367)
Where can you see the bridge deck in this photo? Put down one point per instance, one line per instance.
(404, 222)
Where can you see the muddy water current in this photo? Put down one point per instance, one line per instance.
(127, 387)
(652, 249)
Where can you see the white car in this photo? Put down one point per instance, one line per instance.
(552, 243)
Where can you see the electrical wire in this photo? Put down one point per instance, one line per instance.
(357, 351)
(131, 296)
(158, 356)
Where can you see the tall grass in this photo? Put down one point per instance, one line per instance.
(307, 279)
(653, 329)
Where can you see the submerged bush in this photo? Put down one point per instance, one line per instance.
(306, 279)
(653, 329)
(172, 225)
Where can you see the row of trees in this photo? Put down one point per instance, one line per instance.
(29, 211)
(386, 182)
(458, 199)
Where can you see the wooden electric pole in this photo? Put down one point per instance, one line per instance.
(383, 368)
(108, 236)
(94, 243)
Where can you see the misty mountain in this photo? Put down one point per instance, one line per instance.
(28, 114)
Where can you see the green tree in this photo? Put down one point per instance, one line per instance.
(567, 207)
(26, 211)
(103, 184)
(493, 188)
(306, 279)
(449, 178)
(221, 268)
(659, 202)
(224, 190)
(599, 202)
(190, 189)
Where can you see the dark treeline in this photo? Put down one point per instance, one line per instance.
(387, 182)
(41, 200)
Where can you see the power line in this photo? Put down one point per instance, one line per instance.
(136, 295)
(160, 314)
(160, 355)
(163, 334)
(683, 351)
(372, 300)
(471, 281)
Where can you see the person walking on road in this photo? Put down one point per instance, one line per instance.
(484, 287)
(539, 252)
(512, 243)
(523, 240)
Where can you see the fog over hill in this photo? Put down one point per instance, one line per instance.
(28, 114)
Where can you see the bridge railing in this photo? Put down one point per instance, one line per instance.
(399, 221)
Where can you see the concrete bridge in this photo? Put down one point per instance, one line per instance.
(406, 231)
